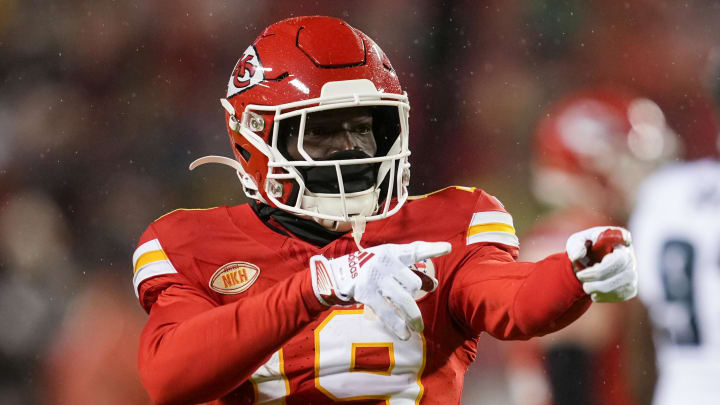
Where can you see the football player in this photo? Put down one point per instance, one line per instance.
(678, 219)
(678, 223)
(591, 151)
(333, 284)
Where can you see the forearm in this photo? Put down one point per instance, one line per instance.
(192, 352)
(516, 300)
(550, 298)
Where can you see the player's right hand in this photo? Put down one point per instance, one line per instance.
(380, 278)
(604, 261)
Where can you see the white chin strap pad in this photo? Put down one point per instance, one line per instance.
(363, 203)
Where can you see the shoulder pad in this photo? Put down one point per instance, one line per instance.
(153, 269)
(480, 215)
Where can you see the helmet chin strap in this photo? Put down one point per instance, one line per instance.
(354, 205)
(358, 229)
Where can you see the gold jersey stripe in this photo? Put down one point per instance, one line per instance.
(150, 257)
(417, 197)
(183, 209)
(492, 227)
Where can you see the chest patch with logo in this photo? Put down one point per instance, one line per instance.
(234, 277)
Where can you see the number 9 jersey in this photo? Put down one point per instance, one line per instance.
(676, 233)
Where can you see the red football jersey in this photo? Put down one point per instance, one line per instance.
(233, 317)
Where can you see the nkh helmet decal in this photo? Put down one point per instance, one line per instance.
(308, 77)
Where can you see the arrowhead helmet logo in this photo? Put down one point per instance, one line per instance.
(247, 73)
(239, 71)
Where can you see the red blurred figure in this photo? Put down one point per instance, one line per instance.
(591, 151)
(93, 357)
(594, 147)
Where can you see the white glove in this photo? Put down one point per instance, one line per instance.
(604, 262)
(379, 277)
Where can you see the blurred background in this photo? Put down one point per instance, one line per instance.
(103, 104)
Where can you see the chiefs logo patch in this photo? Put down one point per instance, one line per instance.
(247, 73)
(424, 266)
(234, 277)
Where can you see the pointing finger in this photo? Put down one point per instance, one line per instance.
(420, 250)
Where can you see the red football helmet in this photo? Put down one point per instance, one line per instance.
(306, 65)
(594, 148)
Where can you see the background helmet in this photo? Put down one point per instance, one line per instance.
(295, 68)
(593, 148)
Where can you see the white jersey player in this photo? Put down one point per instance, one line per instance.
(676, 231)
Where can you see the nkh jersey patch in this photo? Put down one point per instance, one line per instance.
(234, 277)
(150, 260)
(492, 226)
(247, 73)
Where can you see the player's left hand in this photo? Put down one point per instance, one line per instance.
(604, 262)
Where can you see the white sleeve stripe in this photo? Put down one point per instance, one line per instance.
(496, 237)
(148, 246)
(151, 270)
(491, 217)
